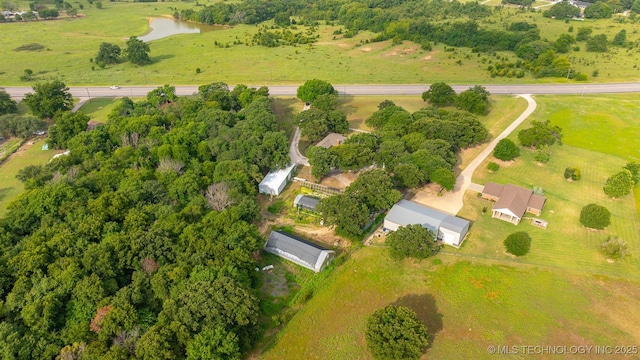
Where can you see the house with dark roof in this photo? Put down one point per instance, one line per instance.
(332, 139)
(298, 250)
(305, 202)
(512, 202)
(448, 228)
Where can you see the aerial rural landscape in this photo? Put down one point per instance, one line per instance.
(344, 179)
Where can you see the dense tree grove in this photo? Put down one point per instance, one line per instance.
(411, 147)
(140, 242)
(20, 126)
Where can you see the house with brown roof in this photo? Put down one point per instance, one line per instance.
(512, 202)
(332, 139)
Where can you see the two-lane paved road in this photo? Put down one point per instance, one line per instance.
(290, 90)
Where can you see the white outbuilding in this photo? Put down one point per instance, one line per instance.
(275, 181)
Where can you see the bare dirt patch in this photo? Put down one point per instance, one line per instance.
(366, 49)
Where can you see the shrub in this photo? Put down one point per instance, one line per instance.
(614, 248)
(572, 173)
(506, 150)
(493, 166)
(619, 184)
(394, 332)
(518, 243)
(542, 155)
(595, 216)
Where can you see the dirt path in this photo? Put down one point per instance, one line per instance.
(452, 202)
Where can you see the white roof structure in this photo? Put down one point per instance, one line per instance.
(300, 251)
(275, 181)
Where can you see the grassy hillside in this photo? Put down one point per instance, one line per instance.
(467, 307)
(333, 58)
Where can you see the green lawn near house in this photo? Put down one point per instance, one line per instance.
(10, 187)
(565, 243)
(467, 306)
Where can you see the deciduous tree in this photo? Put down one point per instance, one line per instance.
(445, 178)
(137, 51)
(7, 104)
(108, 53)
(506, 150)
(439, 94)
(67, 125)
(412, 241)
(49, 98)
(518, 243)
(311, 89)
(619, 184)
(595, 216)
(394, 332)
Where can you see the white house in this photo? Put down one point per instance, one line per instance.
(275, 181)
(450, 229)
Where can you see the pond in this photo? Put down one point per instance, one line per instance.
(164, 27)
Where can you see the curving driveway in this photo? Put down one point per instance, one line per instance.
(452, 201)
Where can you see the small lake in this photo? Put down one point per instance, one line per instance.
(164, 27)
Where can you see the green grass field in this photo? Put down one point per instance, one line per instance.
(10, 187)
(338, 60)
(606, 126)
(466, 307)
(98, 109)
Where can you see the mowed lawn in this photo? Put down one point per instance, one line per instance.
(565, 243)
(467, 306)
(607, 124)
(98, 109)
(10, 187)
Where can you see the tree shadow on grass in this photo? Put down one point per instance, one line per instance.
(156, 59)
(426, 309)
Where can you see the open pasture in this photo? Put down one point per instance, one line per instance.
(71, 43)
(466, 306)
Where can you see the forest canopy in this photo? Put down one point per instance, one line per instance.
(140, 243)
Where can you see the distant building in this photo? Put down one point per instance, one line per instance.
(305, 202)
(333, 139)
(450, 229)
(300, 251)
(512, 201)
(275, 181)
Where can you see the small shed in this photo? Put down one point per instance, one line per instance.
(305, 202)
(300, 251)
(275, 181)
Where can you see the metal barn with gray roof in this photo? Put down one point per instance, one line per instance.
(450, 229)
(298, 250)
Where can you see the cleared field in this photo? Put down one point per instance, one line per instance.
(332, 58)
(98, 109)
(466, 307)
(607, 124)
(10, 187)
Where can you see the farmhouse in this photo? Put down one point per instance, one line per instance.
(450, 229)
(275, 181)
(305, 202)
(512, 202)
(299, 251)
(333, 139)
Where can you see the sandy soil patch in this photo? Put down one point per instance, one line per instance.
(366, 49)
